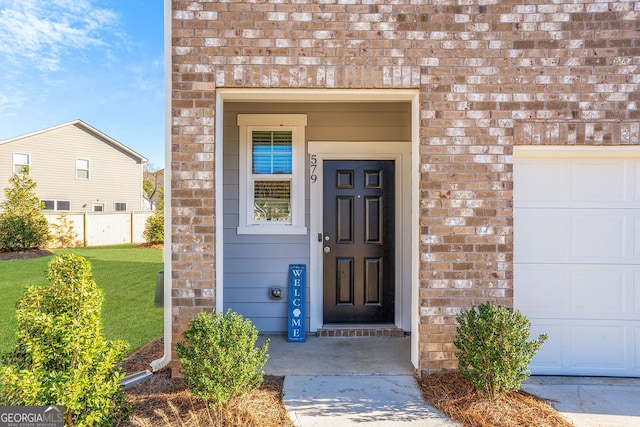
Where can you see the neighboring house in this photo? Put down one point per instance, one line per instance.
(419, 158)
(76, 168)
(156, 179)
(158, 185)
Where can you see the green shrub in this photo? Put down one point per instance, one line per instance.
(64, 234)
(493, 351)
(219, 358)
(61, 357)
(154, 228)
(22, 224)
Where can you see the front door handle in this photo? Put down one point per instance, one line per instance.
(327, 249)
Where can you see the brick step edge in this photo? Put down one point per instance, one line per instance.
(361, 332)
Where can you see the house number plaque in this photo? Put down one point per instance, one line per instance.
(313, 165)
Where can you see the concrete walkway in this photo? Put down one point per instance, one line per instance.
(350, 381)
(591, 401)
(363, 400)
(339, 356)
(371, 382)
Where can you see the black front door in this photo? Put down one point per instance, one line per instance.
(358, 241)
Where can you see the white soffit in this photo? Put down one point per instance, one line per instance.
(317, 95)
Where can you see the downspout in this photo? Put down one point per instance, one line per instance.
(158, 364)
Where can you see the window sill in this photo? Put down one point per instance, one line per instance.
(272, 229)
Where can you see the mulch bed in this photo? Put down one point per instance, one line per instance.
(164, 401)
(139, 360)
(454, 396)
(38, 253)
(33, 253)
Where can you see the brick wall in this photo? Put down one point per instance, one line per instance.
(485, 69)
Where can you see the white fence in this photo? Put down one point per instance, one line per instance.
(96, 228)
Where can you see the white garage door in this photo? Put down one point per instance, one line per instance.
(577, 257)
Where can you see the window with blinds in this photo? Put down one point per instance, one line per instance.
(271, 173)
(271, 155)
(272, 152)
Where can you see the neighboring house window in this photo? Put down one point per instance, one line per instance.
(56, 205)
(121, 207)
(82, 168)
(21, 163)
(272, 148)
(98, 207)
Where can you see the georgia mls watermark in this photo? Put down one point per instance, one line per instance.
(31, 416)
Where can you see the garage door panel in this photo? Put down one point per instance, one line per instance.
(578, 292)
(635, 309)
(636, 355)
(540, 236)
(596, 346)
(586, 348)
(635, 179)
(635, 235)
(550, 355)
(610, 236)
(599, 236)
(598, 182)
(577, 183)
(540, 181)
(598, 292)
(541, 293)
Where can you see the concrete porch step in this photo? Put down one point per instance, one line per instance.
(367, 330)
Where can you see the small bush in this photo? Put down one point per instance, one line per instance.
(493, 351)
(22, 224)
(154, 228)
(64, 234)
(219, 358)
(153, 232)
(61, 357)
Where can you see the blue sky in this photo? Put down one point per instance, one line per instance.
(101, 61)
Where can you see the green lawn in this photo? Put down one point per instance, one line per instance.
(125, 273)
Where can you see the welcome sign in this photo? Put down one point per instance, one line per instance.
(297, 311)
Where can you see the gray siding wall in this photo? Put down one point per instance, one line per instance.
(115, 176)
(254, 263)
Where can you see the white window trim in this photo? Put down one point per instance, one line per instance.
(88, 169)
(13, 159)
(296, 124)
(122, 210)
(93, 207)
(55, 205)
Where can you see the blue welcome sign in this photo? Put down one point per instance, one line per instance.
(297, 314)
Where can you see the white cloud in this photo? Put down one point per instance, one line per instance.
(39, 33)
(4, 100)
